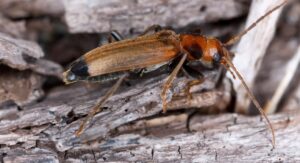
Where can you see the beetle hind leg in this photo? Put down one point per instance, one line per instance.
(97, 108)
(113, 36)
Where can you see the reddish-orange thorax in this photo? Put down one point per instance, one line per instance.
(200, 47)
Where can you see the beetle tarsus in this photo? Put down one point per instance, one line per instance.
(189, 85)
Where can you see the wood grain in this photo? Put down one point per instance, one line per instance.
(135, 16)
(252, 47)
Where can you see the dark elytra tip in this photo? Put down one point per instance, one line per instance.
(80, 69)
(71, 76)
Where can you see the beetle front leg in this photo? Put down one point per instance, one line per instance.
(169, 81)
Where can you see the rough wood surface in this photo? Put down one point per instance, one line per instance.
(22, 55)
(17, 9)
(294, 101)
(45, 131)
(219, 138)
(19, 87)
(23, 87)
(290, 71)
(135, 16)
(15, 29)
(71, 103)
(132, 127)
(18, 53)
(251, 49)
(280, 52)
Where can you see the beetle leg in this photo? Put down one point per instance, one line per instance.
(154, 28)
(97, 108)
(113, 36)
(190, 84)
(197, 78)
(116, 36)
(169, 81)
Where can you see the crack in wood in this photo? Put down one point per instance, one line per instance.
(179, 152)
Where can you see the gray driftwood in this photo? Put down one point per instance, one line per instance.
(18, 53)
(21, 83)
(294, 101)
(130, 129)
(125, 16)
(22, 55)
(252, 47)
(33, 8)
(42, 134)
(15, 29)
(290, 71)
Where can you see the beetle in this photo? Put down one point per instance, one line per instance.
(147, 52)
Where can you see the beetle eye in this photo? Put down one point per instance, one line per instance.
(217, 57)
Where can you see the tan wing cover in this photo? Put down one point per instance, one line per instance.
(132, 54)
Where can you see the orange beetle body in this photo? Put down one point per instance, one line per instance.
(111, 61)
(142, 52)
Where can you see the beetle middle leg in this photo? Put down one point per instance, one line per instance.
(196, 78)
(155, 28)
(190, 84)
(97, 108)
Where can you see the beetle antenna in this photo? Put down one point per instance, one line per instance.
(234, 39)
(252, 97)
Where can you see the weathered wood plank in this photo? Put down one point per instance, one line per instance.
(252, 47)
(135, 16)
(218, 138)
